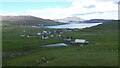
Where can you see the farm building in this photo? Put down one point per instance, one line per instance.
(38, 33)
(80, 42)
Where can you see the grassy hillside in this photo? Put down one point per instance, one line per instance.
(27, 20)
(101, 51)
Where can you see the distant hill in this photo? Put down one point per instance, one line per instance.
(73, 19)
(96, 20)
(27, 20)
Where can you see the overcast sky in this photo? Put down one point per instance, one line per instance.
(55, 9)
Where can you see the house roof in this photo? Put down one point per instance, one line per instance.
(79, 41)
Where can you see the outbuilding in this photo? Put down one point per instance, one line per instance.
(38, 33)
(80, 42)
(44, 37)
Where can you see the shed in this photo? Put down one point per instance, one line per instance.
(39, 33)
(80, 41)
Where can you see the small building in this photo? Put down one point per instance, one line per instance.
(33, 26)
(51, 35)
(44, 32)
(48, 32)
(38, 33)
(44, 37)
(80, 42)
(59, 35)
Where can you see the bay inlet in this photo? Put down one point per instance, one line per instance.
(72, 26)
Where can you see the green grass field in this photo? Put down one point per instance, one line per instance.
(101, 51)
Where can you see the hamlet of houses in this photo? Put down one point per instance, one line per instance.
(57, 34)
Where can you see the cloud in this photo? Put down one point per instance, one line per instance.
(96, 12)
(90, 6)
(100, 15)
(108, 0)
(89, 13)
(79, 7)
(87, 8)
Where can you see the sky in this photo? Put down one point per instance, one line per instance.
(57, 9)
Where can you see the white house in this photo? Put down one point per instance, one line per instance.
(59, 35)
(44, 32)
(39, 33)
(80, 41)
(33, 26)
(51, 35)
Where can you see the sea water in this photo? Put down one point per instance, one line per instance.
(72, 26)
